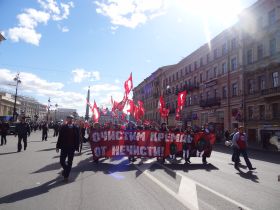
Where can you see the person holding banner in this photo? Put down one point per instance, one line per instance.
(163, 128)
(68, 142)
(188, 144)
(130, 128)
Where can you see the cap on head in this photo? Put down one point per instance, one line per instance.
(70, 117)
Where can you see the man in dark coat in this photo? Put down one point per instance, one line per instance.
(4, 127)
(45, 129)
(68, 142)
(22, 130)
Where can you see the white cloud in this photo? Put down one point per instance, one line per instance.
(30, 18)
(117, 81)
(130, 13)
(37, 86)
(80, 74)
(25, 34)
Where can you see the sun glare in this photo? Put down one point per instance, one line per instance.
(222, 12)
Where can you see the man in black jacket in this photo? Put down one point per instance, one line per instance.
(4, 127)
(68, 142)
(22, 130)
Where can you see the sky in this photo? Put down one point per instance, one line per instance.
(60, 48)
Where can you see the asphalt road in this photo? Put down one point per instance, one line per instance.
(31, 180)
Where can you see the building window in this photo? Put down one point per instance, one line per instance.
(275, 111)
(201, 96)
(233, 44)
(224, 91)
(272, 46)
(260, 52)
(207, 94)
(271, 17)
(224, 68)
(190, 67)
(250, 56)
(234, 89)
(215, 53)
(250, 86)
(201, 61)
(216, 93)
(224, 49)
(250, 112)
(181, 72)
(215, 72)
(275, 79)
(177, 75)
(262, 112)
(186, 70)
(233, 64)
(200, 77)
(261, 82)
(208, 57)
(194, 81)
(195, 65)
(260, 23)
(173, 77)
(207, 75)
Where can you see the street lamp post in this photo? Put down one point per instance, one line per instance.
(49, 104)
(17, 79)
(56, 105)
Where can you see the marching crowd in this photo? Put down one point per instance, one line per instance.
(72, 134)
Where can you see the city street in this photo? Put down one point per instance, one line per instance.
(32, 179)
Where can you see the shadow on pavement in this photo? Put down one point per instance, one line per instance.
(7, 153)
(248, 175)
(272, 157)
(46, 150)
(192, 166)
(51, 167)
(32, 192)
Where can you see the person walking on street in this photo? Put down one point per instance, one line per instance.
(234, 149)
(4, 131)
(68, 143)
(22, 131)
(45, 130)
(240, 144)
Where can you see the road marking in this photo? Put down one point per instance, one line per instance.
(178, 196)
(211, 190)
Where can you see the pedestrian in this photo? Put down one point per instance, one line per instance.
(22, 131)
(240, 143)
(4, 131)
(68, 143)
(45, 129)
(55, 129)
(234, 149)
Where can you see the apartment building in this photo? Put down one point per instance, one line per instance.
(230, 79)
(260, 26)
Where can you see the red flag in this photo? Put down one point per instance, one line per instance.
(141, 109)
(95, 113)
(164, 113)
(181, 99)
(130, 106)
(177, 117)
(128, 84)
(136, 113)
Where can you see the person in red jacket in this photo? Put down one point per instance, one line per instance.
(240, 144)
(68, 142)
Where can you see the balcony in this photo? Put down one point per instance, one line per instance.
(270, 92)
(210, 102)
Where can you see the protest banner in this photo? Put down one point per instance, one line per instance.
(144, 143)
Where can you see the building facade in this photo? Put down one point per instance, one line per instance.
(224, 77)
